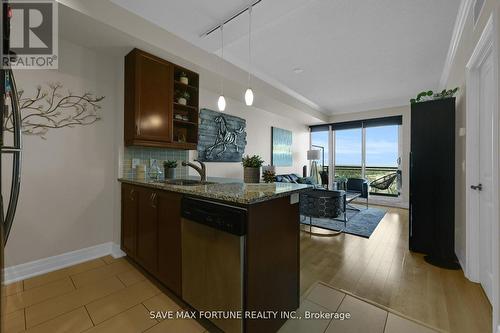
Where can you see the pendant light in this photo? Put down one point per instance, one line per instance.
(221, 103)
(249, 92)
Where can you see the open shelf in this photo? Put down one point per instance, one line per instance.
(185, 107)
(178, 121)
(185, 132)
(183, 85)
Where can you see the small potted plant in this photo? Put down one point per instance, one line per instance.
(170, 169)
(183, 78)
(269, 176)
(183, 98)
(251, 168)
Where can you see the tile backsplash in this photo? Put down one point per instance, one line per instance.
(145, 154)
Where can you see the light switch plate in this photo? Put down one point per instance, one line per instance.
(461, 131)
(294, 198)
(135, 162)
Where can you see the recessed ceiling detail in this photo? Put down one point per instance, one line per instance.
(360, 55)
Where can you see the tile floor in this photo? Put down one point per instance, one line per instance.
(101, 295)
(365, 316)
(111, 295)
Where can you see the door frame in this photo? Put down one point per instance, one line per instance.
(487, 45)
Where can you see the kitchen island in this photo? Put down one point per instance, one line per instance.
(238, 242)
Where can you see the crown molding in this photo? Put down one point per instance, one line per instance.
(463, 12)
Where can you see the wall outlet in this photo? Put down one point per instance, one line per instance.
(135, 162)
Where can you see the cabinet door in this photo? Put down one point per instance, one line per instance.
(169, 236)
(147, 230)
(153, 102)
(129, 220)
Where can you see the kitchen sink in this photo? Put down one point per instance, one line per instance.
(186, 182)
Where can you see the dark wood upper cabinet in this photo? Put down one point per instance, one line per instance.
(129, 220)
(147, 229)
(169, 236)
(153, 118)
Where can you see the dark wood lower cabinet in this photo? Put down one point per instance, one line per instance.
(151, 236)
(147, 230)
(129, 220)
(151, 232)
(169, 245)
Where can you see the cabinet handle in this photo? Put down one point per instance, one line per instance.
(153, 200)
(137, 131)
(132, 192)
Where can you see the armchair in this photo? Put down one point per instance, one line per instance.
(357, 185)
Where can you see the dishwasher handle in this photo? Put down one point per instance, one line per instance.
(222, 217)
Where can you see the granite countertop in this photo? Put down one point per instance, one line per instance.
(228, 190)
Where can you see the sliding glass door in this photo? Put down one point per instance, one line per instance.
(349, 153)
(368, 149)
(382, 157)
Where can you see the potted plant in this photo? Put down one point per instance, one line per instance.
(251, 168)
(269, 176)
(183, 98)
(183, 78)
(170, 169)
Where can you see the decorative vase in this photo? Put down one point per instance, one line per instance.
(251, 175)
(169, 173)
(184, 80)
(182, 101)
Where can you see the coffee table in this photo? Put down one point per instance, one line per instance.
(350, 197)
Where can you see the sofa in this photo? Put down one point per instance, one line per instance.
(293, 178)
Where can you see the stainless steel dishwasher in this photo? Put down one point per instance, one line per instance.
(213, 245)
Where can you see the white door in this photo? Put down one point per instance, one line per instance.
(485, 176)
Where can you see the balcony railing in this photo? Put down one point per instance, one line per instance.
(371, 174)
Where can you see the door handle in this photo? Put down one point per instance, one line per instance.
(478, 187)
(131, 195)
(16, 150)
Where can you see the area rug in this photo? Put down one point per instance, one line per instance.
(361, 223)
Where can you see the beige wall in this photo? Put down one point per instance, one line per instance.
(405, 129)
(468, 41)
(67, 197)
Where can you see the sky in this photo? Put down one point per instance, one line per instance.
(381, 146)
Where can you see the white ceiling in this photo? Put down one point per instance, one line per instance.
(355, 55)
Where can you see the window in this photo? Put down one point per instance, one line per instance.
(348, 153)
(366, 149)
(319, 140)
(382, 156)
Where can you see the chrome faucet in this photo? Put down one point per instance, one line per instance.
(202, 169)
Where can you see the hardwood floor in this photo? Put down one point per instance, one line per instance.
(383, 270)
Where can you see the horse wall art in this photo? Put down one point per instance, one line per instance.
(221, 137)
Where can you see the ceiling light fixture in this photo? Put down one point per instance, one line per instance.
(298, 70)
(221, 103)
(249, 92)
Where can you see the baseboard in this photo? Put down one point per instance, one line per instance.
(116, 252)
(46, 265)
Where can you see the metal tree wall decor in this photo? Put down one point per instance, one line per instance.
(50, 108)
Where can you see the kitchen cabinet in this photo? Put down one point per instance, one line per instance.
(153, 115)
(151, 232)
(147, 229)
(169, 235)
(129, 220)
